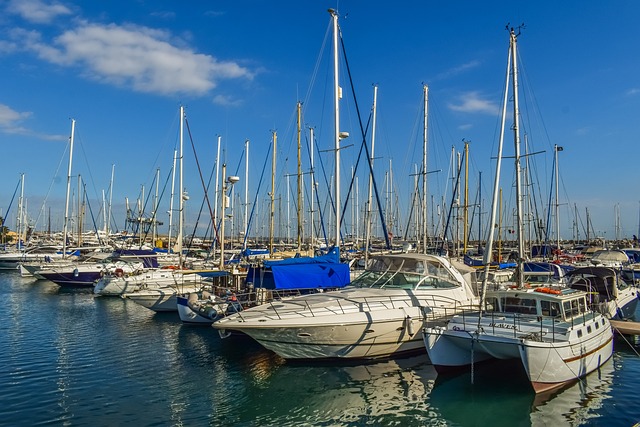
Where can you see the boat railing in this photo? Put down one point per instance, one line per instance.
(430, 306)
(522, 326)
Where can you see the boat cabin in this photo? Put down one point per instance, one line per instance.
(561, 304)
(407, 272)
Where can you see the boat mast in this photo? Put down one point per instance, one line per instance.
(272, 194)
(336, 115)
(66, 203)
(313, 186)
(182, 193)
(369, 199)
(556, 149)
(246, 193)
(108, 227)
(465, 211)
(299, 179)
(516, 140)
(21, 216)
(173, 183)
(425, 91)
(215, 202)
(496, 200)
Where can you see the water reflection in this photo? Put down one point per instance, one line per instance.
(295, 394)
(504, 390)
(70, 357)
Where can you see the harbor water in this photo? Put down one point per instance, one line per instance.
(71, 358)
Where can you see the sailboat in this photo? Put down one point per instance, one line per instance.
(550, 329)
(157, 289)
(377, 316)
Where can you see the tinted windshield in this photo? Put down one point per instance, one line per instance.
(403, 273)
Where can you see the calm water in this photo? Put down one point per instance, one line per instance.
(69, 358)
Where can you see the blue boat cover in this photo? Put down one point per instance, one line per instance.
(301, 273)
(148, 257)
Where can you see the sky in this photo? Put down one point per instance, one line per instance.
(122, 69)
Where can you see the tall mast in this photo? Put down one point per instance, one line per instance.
(425, 90)
(556, 149)
(182, 194)
(66, 203)
(367, 237)
(21, 216)
(299, 180)
(516, 140)
(465, 210)
(108, 228)
(173, 189)
(246, 193)
(155, 209)
(215, 203)
(313, 186)
(496, 199)
(337, 92)
(272, 194)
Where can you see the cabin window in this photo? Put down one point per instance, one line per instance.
(589, 329)
(579, 333)
(571, 308)
(550, 308)
(582, 305)
(520, 305)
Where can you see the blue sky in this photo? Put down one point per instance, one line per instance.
(122, 69)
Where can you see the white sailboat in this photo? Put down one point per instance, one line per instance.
(157, 289)
(551, 330)
(379, 315)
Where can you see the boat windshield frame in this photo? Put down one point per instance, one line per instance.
(385, 273)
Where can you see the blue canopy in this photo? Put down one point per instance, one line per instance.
(301, 273)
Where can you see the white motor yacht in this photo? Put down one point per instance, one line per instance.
(379, 315)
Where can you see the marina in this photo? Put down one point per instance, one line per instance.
(73, 358)
(263, 303)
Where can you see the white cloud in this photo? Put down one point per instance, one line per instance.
(8, 116)
(139, 57)
(457, 70)
(472, 103)
(37, 11)
(633, 91)
(226, 101)
(10, 123)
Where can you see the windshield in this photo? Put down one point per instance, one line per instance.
(405, 273)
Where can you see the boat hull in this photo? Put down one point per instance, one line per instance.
(371, 335)
(549, 363)
(160, 299)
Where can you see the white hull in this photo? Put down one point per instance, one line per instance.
(350, 323)
(160, 299)
(150, 279)
(624, 306)
(549, 362)
(341, 338)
